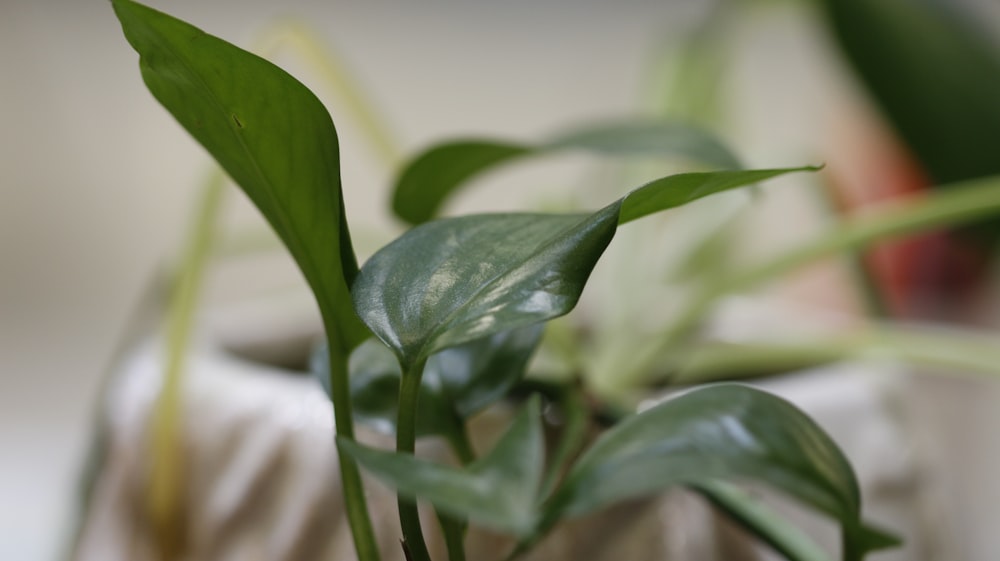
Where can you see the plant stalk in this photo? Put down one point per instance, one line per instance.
(454, 529)
(406, 438)
(350, 477)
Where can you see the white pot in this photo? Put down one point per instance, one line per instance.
(262, 478)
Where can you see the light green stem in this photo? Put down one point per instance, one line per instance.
(406, 438)
(953, 351)
(958, 204)
(340, 81)
(354, 494)
(166, 480)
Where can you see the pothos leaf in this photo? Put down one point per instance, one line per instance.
(497, 491)
(455, 280)
(724, 432)
(284, 155)
(436, 174)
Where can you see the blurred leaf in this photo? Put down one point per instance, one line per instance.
(475, 375)
(457, 382)
(455, 280)
(498, 491)
(761, 521)
(725, 432)
(283, 155)
(429, 179)
(933, 75)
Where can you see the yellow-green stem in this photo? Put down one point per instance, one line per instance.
(959, 204)
(166, 479)
(340, 81)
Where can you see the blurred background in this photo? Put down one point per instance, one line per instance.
(97, 182)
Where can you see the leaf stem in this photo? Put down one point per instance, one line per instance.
(460, 444)
(575, 414)
(454, 529)
(406, 437)
(848, 548)
(350, 477)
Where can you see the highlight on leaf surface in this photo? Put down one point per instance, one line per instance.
(454, 280)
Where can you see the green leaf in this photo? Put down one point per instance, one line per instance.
(455, 280)
(271, 135)
(677, 190)
(452, 281)
(499, 491)
(431, 177)
(761, 521)
(457, 382)
(725, 432)
(477, 374)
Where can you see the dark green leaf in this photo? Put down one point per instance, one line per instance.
(455, 280)
(474, 375)
(457, 382)
(433, 176)
(499, 491)
(725, 432)
(270, 134)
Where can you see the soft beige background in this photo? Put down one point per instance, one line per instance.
(96, 180)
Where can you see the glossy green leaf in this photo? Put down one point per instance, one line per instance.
(498, 491)
(283, 154)
(457, 382)
(452, 281)
(430, 178)
(455, 280)
(725, 432)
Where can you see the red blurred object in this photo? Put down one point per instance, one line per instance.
(934, 275)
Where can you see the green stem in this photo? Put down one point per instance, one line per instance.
(406, 438)
(461, 445)
(575, 414)
(454, 536)
(848, 549)
(350, 477)
(454, 529)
